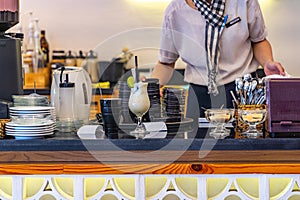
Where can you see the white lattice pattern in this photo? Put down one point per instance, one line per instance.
(150, 187)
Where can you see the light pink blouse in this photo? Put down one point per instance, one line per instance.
(183, 34)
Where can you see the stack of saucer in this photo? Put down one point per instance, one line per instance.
(153, 90)
(124, 94)
(173, 103)
(31, 122)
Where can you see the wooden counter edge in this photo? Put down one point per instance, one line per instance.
(164, 169)
(152, 157)
(149, 162)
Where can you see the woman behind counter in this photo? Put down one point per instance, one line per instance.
(219, 40)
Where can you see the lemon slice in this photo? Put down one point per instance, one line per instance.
(130, 82)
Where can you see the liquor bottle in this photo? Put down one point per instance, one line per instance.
(29, 46)
(80, 58)
(90, 64)
(44, 46)
(70, 59)
(38, 59)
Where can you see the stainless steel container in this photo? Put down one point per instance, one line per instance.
(10, 51)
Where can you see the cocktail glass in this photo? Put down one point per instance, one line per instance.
(139, 104)
(252, 116)
(219, 117)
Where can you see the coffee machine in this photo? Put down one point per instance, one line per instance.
(11, 79)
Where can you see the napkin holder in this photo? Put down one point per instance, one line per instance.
(283, 100)
(4, 109)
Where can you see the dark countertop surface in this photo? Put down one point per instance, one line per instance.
(174, 142)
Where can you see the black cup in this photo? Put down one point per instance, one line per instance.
(111, 111)
(110, 102)
(111, 132)
(111, 118)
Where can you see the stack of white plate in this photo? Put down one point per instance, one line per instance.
(19, 111)
(30, 131)
(30, 122)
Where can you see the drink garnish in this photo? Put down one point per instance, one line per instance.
(130, 82)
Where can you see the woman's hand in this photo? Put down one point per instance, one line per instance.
(263, 54)
(274, 68)
(143, 78)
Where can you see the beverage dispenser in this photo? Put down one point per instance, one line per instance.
(10, 51)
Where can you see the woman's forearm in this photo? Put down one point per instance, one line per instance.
(263, 54)
(163, 72)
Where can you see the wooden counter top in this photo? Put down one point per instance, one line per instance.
(68, 154)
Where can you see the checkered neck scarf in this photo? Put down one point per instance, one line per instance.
(214, 15)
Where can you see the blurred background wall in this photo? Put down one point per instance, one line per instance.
(110, 25)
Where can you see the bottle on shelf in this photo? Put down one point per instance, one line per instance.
(58, 56)
(44, 46)
(90, 64)
(29, 46)
(36, 74)
(58, 59)
(70, 59)
(80, 58)
(38, 58)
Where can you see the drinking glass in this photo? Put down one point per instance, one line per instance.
(139, 104)
(252, 115)
(219, 117)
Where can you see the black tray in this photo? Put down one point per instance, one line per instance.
(173, 127)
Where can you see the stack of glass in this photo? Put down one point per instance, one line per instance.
(124, 93)
(173, 103)
(153, 90)
(30, 100)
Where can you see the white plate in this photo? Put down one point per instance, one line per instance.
(32, 136)
(29, 112)
(51, 129)
(28, 126)
(46, 116)
(43, 124)
(31, 108)
(27, 129)
(42, 110)
(16, 114)
(20, 129)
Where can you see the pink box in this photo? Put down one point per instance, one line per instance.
(283, 104)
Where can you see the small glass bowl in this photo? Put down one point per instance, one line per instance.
(252, 117)
(219, 117)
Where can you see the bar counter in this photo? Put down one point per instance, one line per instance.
(66, 153)
(181, 166)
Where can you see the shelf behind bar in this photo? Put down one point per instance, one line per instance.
(47, 91)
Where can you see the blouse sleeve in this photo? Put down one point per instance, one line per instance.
(257, 28)
(168, 52)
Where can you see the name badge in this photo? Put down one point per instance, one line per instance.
(232, 22)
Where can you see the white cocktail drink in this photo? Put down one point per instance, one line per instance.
(139, 104)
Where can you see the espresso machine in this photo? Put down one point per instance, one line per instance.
(11, 79)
